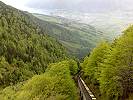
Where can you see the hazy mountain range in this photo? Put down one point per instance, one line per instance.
(110, 22)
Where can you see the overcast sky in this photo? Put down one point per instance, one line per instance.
(74, 5)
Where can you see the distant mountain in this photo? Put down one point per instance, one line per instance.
(78, 38)
(111, 23)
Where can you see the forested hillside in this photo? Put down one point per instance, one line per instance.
(25, 50)
(78, 38)
(34, 64)
(54, 84)
(109, 68)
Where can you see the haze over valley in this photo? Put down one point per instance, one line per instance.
(66, 50)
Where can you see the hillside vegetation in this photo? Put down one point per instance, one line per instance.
(24, 50)
(54, 84)
(34, 64)
(109, 68)
(78, 38)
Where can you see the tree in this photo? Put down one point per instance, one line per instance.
(55, 83)
(91, 64)
(116, 79)
(24, 46)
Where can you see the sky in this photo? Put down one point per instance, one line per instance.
(74, 5)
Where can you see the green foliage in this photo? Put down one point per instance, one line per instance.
(91, 64)
(112, 67)
(55, 83)
(13, 73)
(73, 67)
(78, 38)
(117, 76)
(25, 49)
(9, 93)
(25, 52)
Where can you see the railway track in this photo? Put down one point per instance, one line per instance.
(85, 93)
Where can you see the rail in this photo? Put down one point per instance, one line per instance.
(85, 93)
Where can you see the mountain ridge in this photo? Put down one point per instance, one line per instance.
(78, 38)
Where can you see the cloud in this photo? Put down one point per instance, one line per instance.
(81, 5)
(76, 5)
(20, 4)
(51, 4)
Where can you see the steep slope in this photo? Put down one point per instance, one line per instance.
(78, 38)
(25, 49)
